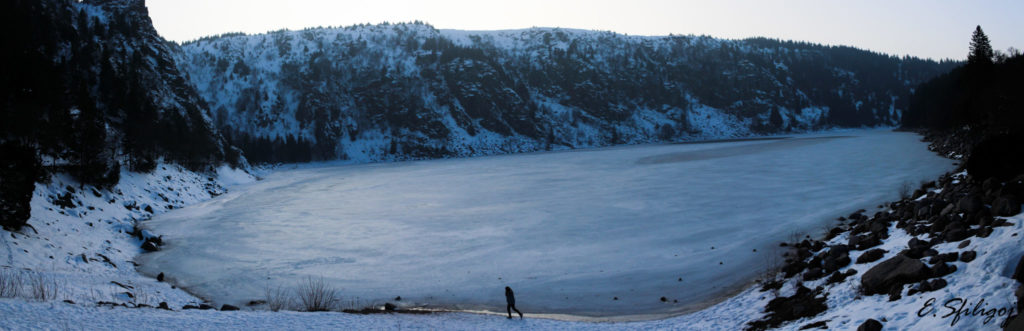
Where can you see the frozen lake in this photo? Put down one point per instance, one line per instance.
(568, 231)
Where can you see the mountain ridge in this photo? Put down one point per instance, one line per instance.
(343, 91)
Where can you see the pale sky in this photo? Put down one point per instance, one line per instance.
(932, 29)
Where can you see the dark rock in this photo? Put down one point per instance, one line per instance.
(148, 209)
(832, 264)
(1015, 324)
(871, 255)
(185, 307)
(990, 184)
(804, 303)
(968, 256)
(389, 306)
(399, 298)
(895, 292)
(160, 277)
(813, 273)
(863, 242)
(955, 233)
(937, 284)
(947, 210)
(891, 273)
(68, 301)
(836, 231)
(870, 325)
(1018, 273)
(227, 307)
(945, 257)
(803, 253)
(150, 246)
(815, 325)
(970, 204)
(204, 306)
(924, 286)
(1020, 298)
(163, 305)
(1006, 205)
(256, 303)
(793, 268)
(963, 244)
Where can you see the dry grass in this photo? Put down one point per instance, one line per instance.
(11, 283)
(317, 295)
(277, 298)
(42, 287)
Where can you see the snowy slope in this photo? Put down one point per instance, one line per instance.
(383, 92)
(81, 241)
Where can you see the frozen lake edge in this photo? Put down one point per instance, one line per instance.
(178, 225)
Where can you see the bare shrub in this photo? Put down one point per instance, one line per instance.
(317, 295)
(277, 298)
(905, 191)
(768, 277)
(11, 282)
(42, 287)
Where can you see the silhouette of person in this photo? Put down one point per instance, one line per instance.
(510, 298)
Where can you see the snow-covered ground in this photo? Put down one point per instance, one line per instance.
(66, 234)
(603, 232)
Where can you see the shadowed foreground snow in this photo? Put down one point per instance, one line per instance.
(567, 230)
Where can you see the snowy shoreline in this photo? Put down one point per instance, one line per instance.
(730, 312)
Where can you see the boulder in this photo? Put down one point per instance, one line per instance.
(149, 246)
(813, 273)
(793, 268)
(1016, 324)
(163, 305)
(947, 210)
(160, 277)
(804, 303)
(955, 232)
(391, 307)
(937, 284)
(832, 264)
(968, 256)
(1018, 273)
(970, 204)
(1020, 298)
(871, 255)
(863, 242)
(204, 306)
(893, 272)
(1006, 205)
(227, 307)
(964, 244)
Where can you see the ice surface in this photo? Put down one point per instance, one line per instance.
(567, 230)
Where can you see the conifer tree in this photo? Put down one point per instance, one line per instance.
(981, 49)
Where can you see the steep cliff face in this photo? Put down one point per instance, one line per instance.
(91, 86)
(377, 92)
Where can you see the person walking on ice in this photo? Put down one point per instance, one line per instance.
(510, 298)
